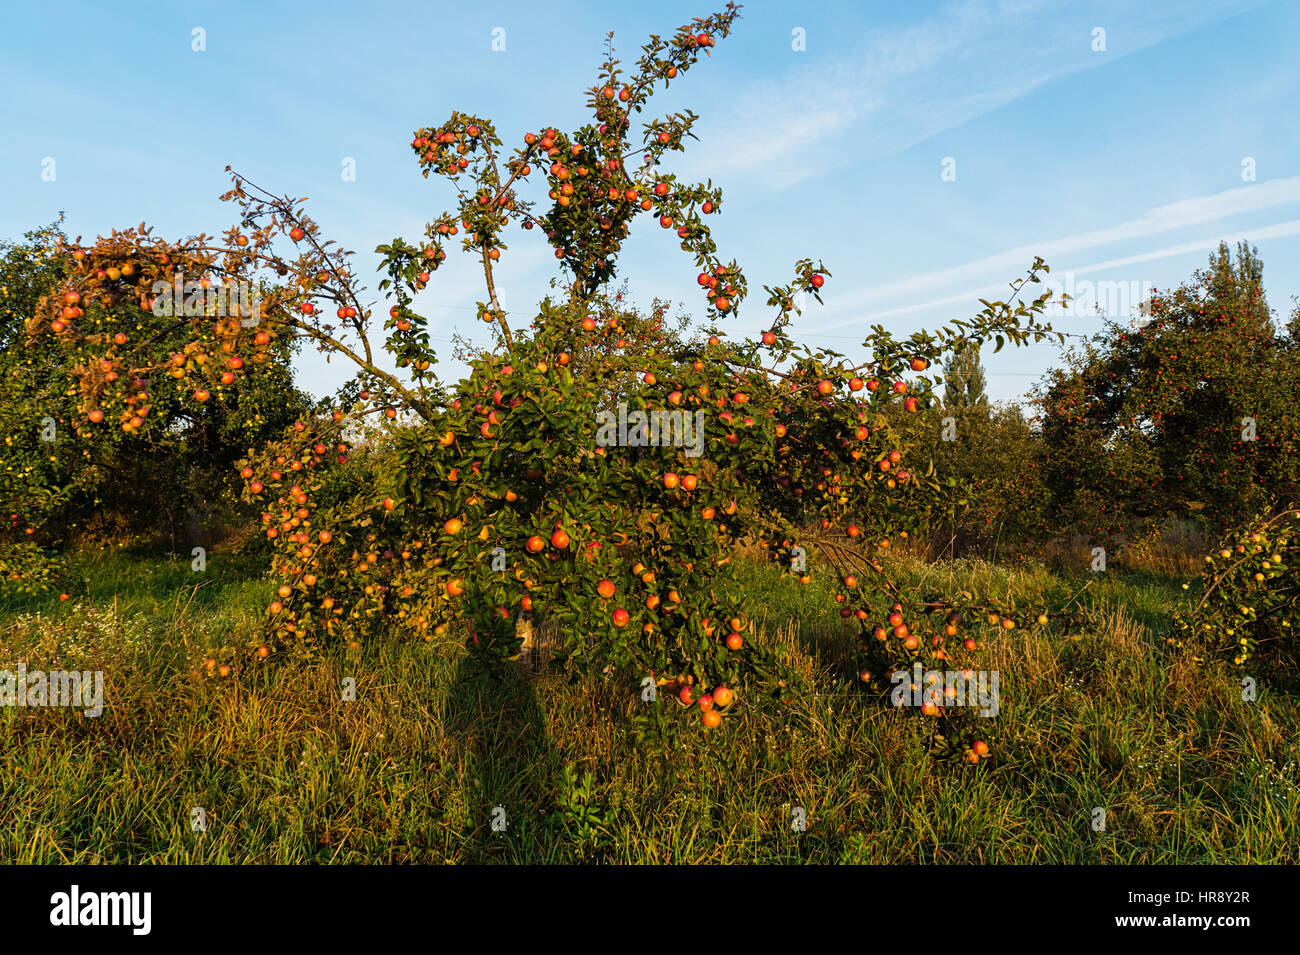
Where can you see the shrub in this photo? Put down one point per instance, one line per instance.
(1249, 594)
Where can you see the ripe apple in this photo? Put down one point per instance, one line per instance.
(711, 719)
(621, 617)
(722, 696)
(559, 540)
(453, 526)
(825, 387)
(605, 588)
(671, 480)
(769, 338)
(735, 641)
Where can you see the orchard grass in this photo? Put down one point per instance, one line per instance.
(1103, 716)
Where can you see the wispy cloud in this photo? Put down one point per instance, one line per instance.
(971, 297)
(908, 84)
(1177, 215)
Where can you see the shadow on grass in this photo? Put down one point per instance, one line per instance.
(512, 768)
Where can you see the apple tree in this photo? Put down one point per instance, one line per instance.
(66, 469)
(595, 471)
(1191, 413)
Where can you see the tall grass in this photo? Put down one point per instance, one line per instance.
(415, 768)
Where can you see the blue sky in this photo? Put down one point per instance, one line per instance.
(1122, 165)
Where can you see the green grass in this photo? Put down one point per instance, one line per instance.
(412, 770)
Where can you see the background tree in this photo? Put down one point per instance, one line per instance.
(1192, 414)
(1241, 281)
(963, 385)
(66, 473)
